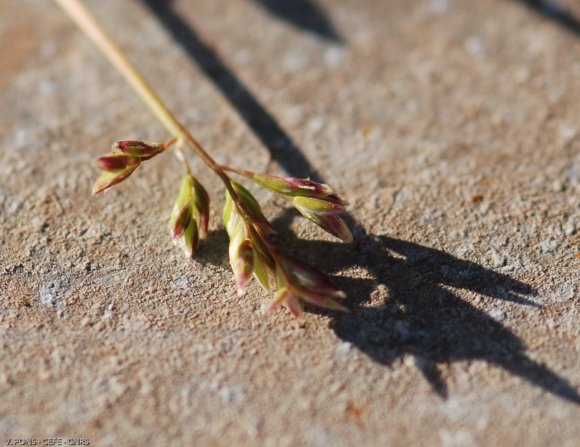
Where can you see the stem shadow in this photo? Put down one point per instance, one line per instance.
(554, 12)
(262, 123)
(419, 313)
(305, 15)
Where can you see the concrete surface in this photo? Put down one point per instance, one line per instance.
(451, 125)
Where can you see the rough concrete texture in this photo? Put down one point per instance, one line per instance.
(452, 126)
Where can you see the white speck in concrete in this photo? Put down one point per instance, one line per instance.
(497, 259)
(570, 228)
(318, 437)
(48, 49)
(574, 174)
(232, 394)
(549, 245)
(567, 133)
(334, 57)
(557, 186)
(564, 293)
(439, 7)
(193, 115)
(10, 203)
(295, 61)
(181, 283)
(497, 314)
(316, 124)
(475, 47)
(47, 87)
(522, 75)
(53, 294)
(244, 57)
(343, 350)
(459, 438)
(293, 115)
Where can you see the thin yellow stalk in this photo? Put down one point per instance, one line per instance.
(88, 24)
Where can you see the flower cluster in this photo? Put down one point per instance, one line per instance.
(247, 251)
(297, 282)
(315, 201)
(190, 217)
(251, 253)
(124, 158)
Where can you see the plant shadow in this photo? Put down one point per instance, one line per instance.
(554, 12)
(419, 313)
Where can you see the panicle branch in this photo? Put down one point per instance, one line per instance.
(251, 252)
